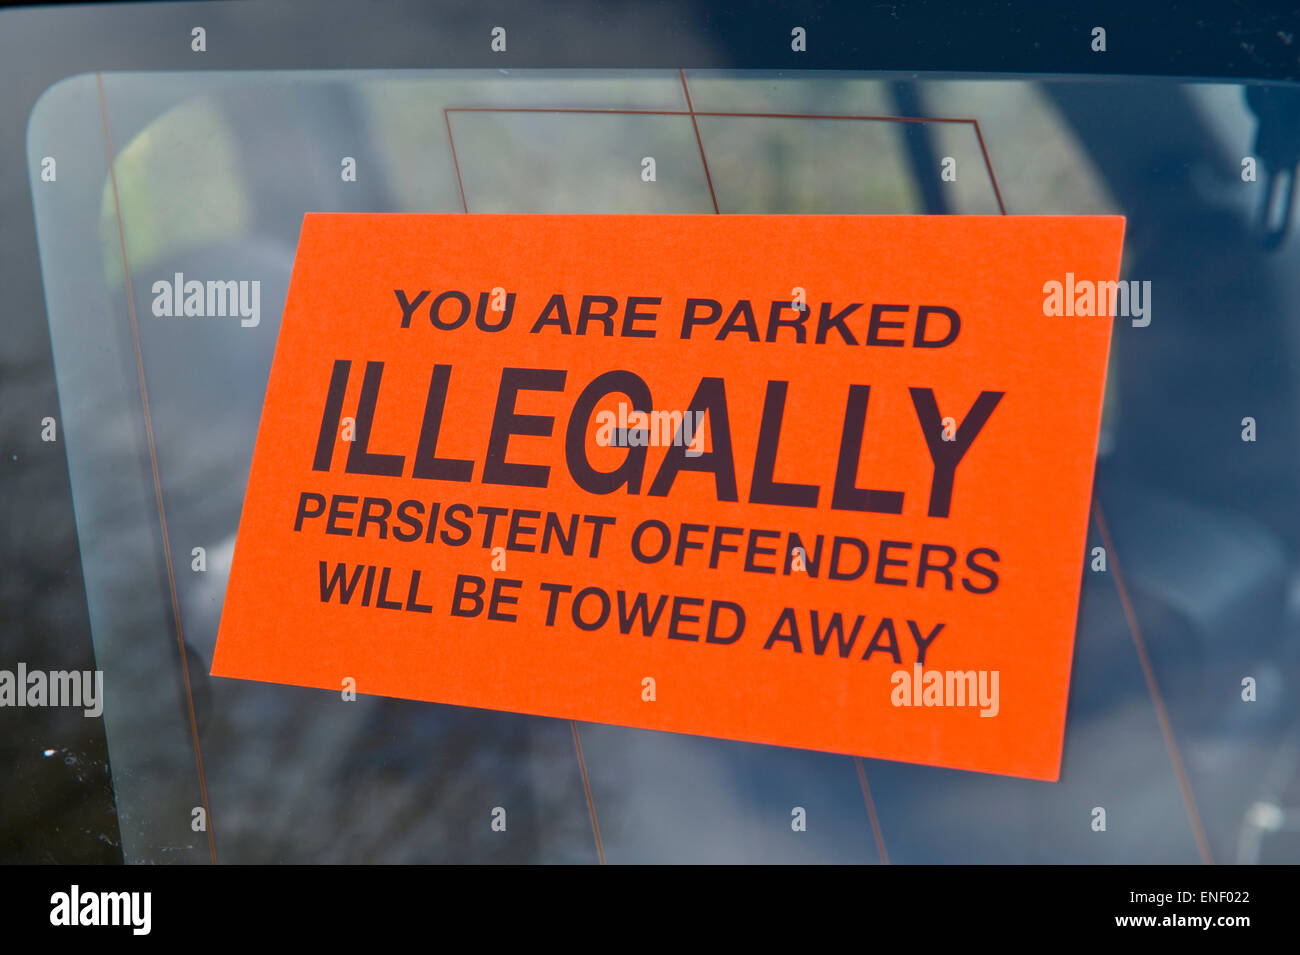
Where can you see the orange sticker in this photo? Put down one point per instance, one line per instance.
(814, 481)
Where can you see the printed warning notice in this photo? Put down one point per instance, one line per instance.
(812, 481)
